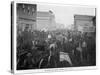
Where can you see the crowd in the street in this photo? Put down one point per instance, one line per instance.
(54, 49)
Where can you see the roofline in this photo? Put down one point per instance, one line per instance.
(83, 15)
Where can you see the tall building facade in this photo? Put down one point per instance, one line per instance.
(84, 23)
(26, 16)
(45, 20)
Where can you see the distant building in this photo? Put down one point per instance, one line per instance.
(26, 16)
(45, 20)
(84, 23)
(60, 26)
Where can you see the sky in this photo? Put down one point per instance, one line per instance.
(64, 14)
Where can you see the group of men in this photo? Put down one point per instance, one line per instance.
(39, 49)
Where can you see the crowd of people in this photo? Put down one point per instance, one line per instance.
(55, 49)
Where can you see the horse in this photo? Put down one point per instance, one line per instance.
(48, 58)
